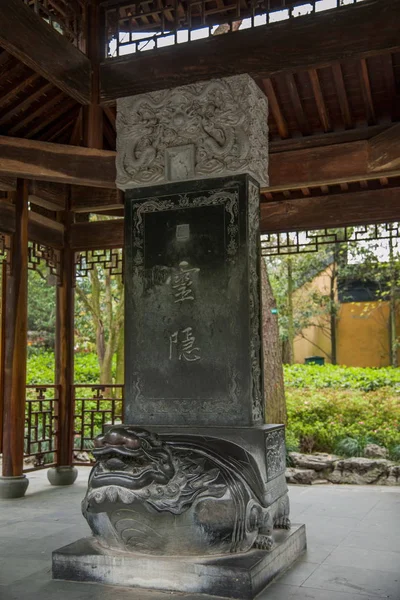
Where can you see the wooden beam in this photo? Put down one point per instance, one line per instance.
(98, 234)
(356, 31)
(84, 199)
(338, 163)
(45, 231)
(35, 43)
(327, 139)
(48, 195)
(7, 216)
(8, 184)
(333, 210)
(57, 162)
(40, 228)
(385, 150)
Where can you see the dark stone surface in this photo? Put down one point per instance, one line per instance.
(186, 494)
(192, 343)
(240, 576)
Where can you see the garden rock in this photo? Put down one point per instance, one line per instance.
(375, 451)
(82, 457)
(360, 471)
(392, 477)
(317, 462)
(300, 476)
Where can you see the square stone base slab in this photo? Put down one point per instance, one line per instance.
(237, 576)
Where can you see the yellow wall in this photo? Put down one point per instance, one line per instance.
(362, 331)
(363, 334)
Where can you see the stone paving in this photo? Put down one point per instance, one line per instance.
(353, 545)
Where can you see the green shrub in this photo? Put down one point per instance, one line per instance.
(338, 377)
(41, 365)
(320, 418)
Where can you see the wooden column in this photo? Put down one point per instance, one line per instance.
(93, 113)
(2, 343)
(64, 474)
(15, 340)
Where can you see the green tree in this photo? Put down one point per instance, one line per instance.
(100, 318)
(41, 308)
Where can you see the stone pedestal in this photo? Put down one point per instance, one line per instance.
(190, 493)
(235, 576)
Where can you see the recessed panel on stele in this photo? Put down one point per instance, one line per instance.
(193, 353)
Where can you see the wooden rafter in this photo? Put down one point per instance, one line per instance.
(342, 95)
(275, 108)
(35, 43)
(319, 99)
(366, 92)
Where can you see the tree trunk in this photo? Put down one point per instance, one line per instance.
(290, 348)
(120, 374)
(392, 317)
(332, 310)
(274, 389)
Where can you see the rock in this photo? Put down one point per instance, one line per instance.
(31, 462)
(360, 471)
(82, 457)
(317, 462)
(375, 451)
(301, 476)
(392, 477)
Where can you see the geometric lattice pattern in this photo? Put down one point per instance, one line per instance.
(40, 439)
(298, 242)
(110, 259)
(40, 255)
(94, 407)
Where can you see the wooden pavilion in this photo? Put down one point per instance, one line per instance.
(330, 70)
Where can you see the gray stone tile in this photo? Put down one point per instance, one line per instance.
(368, 582)
(298, 573)
(278, 591)
(373, 539)
(364, 558)
(13, 568)
(317, 553)
(327, 530)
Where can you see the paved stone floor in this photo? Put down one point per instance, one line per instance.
(353, 545)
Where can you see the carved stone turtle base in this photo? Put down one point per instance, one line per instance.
(240, 576)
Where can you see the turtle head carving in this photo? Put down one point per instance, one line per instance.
(131, 458)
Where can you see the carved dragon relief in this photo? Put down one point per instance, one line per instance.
(222, 123)
(150, 496)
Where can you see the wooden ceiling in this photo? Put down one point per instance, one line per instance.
(347, 100)
(323, 111)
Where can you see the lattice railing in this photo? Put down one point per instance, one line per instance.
(65, 16)
(40, 426)
(95, 407)
(299, 242)
(143, 25)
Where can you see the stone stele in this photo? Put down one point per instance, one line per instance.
(215, 128)
(189, 493)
